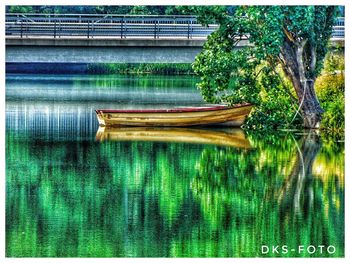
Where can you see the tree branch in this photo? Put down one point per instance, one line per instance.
(299, 58)
(288, 34)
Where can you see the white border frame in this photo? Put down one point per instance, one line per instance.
(167, 2)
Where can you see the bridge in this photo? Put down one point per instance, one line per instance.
(76, 38)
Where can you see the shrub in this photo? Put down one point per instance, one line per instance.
(274, 111)
(330, 90)
(334, 61)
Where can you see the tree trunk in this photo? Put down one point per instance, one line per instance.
(310, 108)
(292, 58)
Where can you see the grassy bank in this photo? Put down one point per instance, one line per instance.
(141, 68)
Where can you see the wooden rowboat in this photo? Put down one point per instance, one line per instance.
(232, 137)
(189, 116)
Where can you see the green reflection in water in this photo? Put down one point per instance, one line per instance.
(152, 199)
(141, 82)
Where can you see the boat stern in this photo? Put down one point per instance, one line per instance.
(100, 118)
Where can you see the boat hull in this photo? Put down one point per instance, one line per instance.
(234, 116)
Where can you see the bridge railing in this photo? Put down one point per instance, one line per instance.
(339, 28)
(122, 26)
(105, 26)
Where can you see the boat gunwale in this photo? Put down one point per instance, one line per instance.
(174, 110)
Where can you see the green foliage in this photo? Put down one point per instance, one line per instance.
(222, 79)
(330, 89)
(140, 10)
(105, 9)
(334, 116)
(264, 26)
(207, 14)
(273, 112)
(19, 9)
(274, 109)
(143, 68)
(334, 61)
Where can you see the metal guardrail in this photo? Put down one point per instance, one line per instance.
(105, 26)
(123, 26)
(339, 29)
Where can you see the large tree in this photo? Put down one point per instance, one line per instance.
(292, 38)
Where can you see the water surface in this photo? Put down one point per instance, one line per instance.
(69, 194)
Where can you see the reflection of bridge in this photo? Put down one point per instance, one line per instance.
(110, 38)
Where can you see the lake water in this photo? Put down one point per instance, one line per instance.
(75, 191)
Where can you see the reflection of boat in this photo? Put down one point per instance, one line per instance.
(232, 116)
(233, 137)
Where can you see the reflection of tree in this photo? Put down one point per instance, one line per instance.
(268, 196)
(306, 202)
(298, 185)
